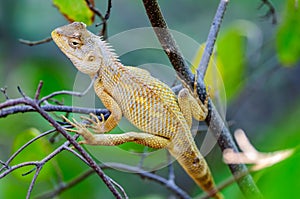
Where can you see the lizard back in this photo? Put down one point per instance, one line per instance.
(139, 94)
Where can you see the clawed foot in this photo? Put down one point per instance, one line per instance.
(81, 129)
(196, 94)
(95, 123)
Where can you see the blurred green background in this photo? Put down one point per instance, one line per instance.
(259, 62)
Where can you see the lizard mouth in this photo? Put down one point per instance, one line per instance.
(57, 38)
(62, 43)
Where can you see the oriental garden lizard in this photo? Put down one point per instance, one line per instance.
(163, 119)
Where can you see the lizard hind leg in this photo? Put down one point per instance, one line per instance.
(192, 107)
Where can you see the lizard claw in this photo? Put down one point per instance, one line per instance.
(74, 123)
(80, 127)
(208, 89)
(96, 124)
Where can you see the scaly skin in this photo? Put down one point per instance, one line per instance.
(146, 102)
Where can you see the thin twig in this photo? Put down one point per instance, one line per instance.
(270, 12)
(33, 43)
(65, 186)
(145, 174)
(15, 167)
(29, 191)
(25, 145)
(103, 18)
(211, 39)
(76, 154)
(84, 154)
(21, 92)
(78, 94)
(121, 167)
(226, 183)
(34, 104)
(107, 14)
(119, 187)
(95, 10)
(38, 90)
(50, 108)
(4, 91)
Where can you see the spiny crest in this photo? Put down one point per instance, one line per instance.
(108, 50)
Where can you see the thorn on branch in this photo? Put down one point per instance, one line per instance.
(57, 102)
(38, 90)
(34, 43)
(4, 91)
(5, 165)
(53, 137)
(28, 172)
(21, 92)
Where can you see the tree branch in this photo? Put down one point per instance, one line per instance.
(214, 120)
(34, 43)
(103, 18)
(211, 39)
(35, 104)
(122, 167)
(167, 41)
(51, 108)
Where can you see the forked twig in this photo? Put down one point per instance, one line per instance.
(103, 18)
(35, 104)
(78, 94)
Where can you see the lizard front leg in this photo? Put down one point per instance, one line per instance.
(115, 112)
(192, 107)
(145, 139)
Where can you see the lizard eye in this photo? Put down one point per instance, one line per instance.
(75, 43)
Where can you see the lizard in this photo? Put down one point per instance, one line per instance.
(164, 119)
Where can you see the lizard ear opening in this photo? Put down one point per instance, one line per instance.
(94, 61)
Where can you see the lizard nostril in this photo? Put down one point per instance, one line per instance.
(58, 31)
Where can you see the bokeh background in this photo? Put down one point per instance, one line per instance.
(259, 62)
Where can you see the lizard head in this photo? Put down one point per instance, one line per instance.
(81, 46)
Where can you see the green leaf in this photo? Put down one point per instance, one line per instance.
(288, 35)
(283, 177)
(75, 10)
(231, 55)
(33, 152)
(212, 77)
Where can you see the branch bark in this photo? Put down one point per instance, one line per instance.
(214, 120)
(52, 108)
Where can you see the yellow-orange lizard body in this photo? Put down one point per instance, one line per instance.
(146, 102)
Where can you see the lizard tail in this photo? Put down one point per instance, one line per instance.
(189, 157)
(199, 171)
